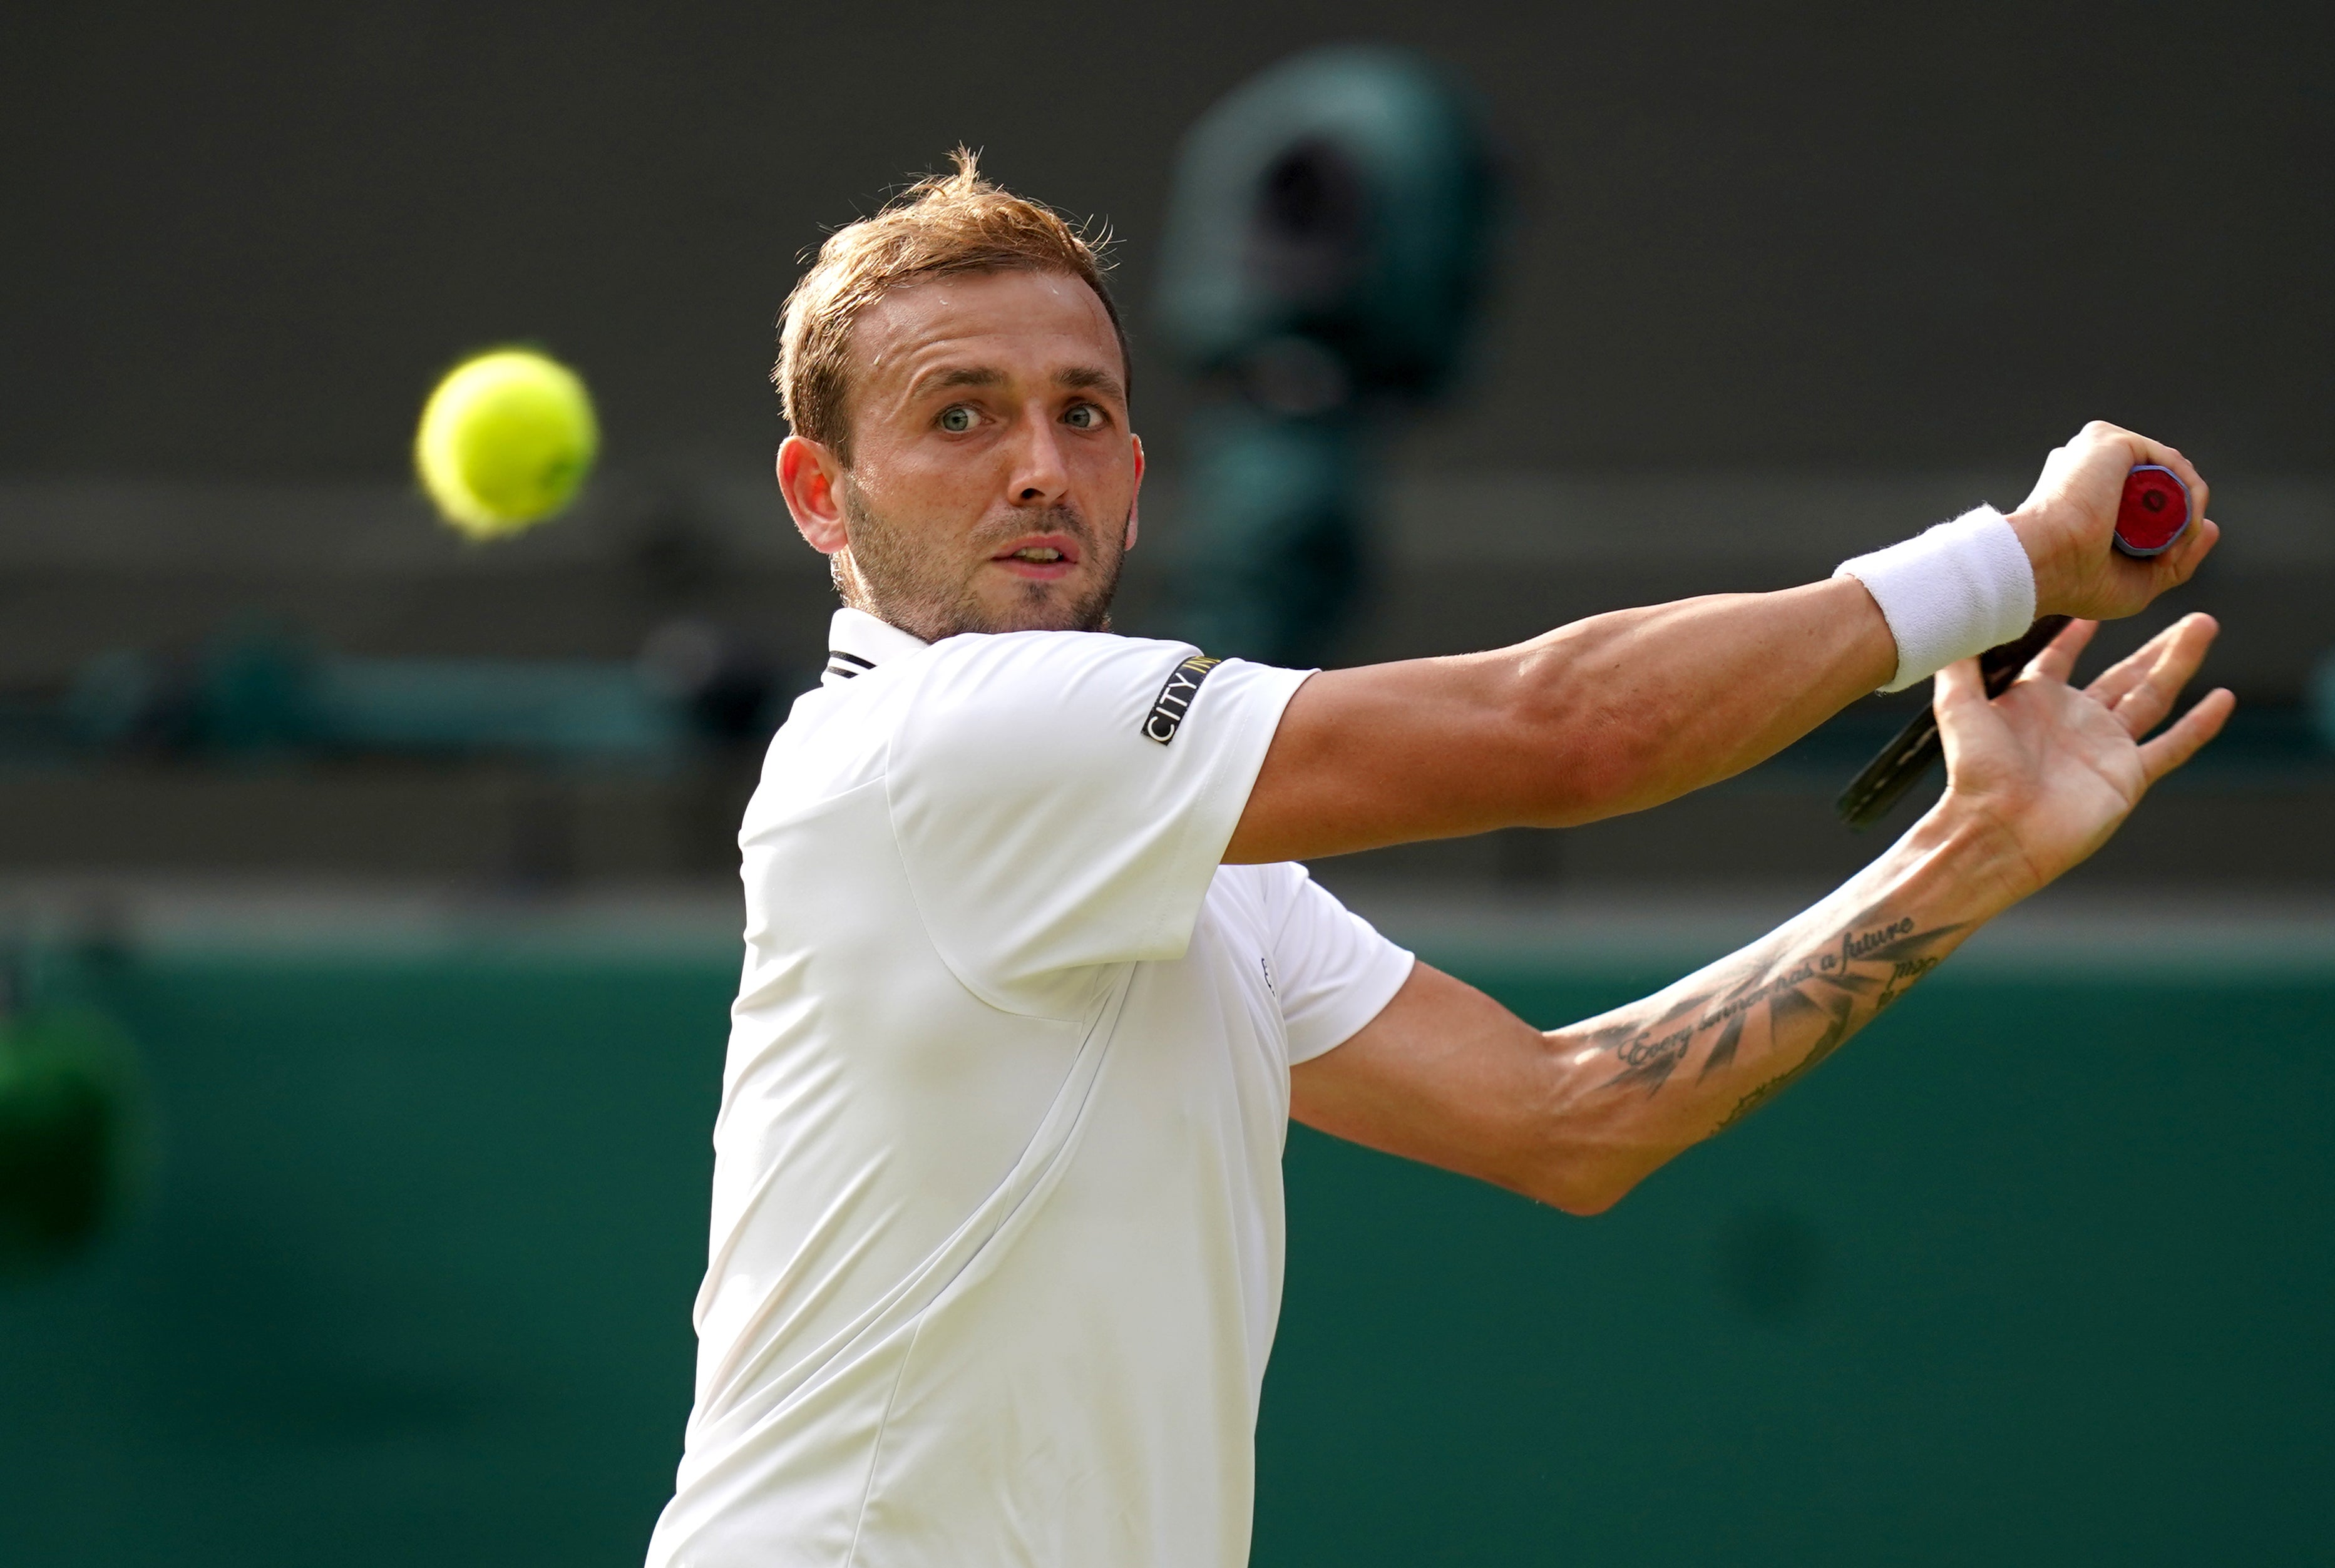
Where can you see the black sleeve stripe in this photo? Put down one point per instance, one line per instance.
(1175, 699)
(835, 654)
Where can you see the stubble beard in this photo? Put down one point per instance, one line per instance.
(926, 591)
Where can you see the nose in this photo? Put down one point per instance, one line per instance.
(1038, 478)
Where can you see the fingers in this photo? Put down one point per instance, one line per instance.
(2175, 565)
(2141, 450)
(1959, 685)
(2113, 684)
(2057, 662)
(2140, 690)
(1959, 699)
(2171, 457)
(2179, 564)
(2192, 730)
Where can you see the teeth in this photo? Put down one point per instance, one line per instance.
(1038, 553)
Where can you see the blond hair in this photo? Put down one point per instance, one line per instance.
(943, 225)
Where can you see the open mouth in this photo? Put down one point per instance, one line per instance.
(1040, 558)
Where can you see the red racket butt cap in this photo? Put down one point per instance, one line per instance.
(2153, 512)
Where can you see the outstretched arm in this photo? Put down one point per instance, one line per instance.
(2038, 780)
(1625, 711)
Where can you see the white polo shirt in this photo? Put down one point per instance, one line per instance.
(997, 1209)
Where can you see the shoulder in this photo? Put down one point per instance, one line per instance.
(1053, 664)
(1066, 687)
(1109, 727)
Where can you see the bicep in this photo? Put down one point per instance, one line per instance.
(1443, 1074)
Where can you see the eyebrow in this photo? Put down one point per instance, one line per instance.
(964, 375)
(1088, 378)
(1077, 377)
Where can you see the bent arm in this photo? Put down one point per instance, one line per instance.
(1576, 1117)
(1622, 711)
(2037, 780)
(1612, 714)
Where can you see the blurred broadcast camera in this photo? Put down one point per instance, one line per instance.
(1328, 240)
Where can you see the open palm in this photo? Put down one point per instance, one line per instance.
(2056, 769)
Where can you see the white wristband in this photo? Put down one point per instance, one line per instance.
(1955, 591)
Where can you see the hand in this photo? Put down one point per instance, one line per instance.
(2068, 525)
(2047, 771)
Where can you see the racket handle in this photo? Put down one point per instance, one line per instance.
(1918, 746)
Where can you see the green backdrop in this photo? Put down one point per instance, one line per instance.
(2036, 1273)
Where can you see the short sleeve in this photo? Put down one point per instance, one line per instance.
(1332, 969)
(1060, 800)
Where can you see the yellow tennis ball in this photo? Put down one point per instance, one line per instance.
(506, 441)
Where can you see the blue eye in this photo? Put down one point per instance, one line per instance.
(1085, 417)
(956, 418)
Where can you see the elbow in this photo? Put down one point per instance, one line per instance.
(1585, 1165)
(1588, 1205)
(1581, 1192)
(1571, 1145)
(1587, 1202)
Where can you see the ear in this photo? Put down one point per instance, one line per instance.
(811, 479)
(1135, 499)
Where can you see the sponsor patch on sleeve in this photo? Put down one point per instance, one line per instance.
(1167, 714)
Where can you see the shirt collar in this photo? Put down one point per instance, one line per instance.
(856, 642)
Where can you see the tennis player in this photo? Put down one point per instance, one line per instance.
(1035, 980)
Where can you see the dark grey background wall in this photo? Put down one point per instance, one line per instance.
(1964, 1301)
(240, 238)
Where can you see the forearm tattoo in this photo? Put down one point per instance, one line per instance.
(1827, 993)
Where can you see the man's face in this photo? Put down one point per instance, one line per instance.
(993, 478)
